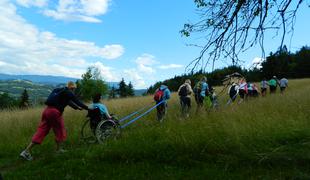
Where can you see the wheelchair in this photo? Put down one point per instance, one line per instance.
(98, 128)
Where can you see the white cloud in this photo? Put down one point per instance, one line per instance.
(26, 50)
(170, 66)
(78, 10)
(256, 63)
(146, 59)
(144, 63)
(106, 72)
(137, 81)
(29, 3)
(111, 51)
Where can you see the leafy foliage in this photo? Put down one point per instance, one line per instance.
(113, 93)
(91, 84)
(130, 90)
(285, 64)
(125, 90)
(7, 101)
(24, 100)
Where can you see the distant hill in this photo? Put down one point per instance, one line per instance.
(140, 92)
(36, 91)
(39, 86)
(44, 79)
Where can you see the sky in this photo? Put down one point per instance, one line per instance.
(137, 40)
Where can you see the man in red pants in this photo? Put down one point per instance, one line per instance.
(52, 118)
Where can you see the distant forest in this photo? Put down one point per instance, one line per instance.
(280, 64)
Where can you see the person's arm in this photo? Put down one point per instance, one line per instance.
(180, 89)
(167, 93)
(106, 111)
(73, 105)
(190, 90)
(76, 101)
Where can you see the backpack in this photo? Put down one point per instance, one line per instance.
(53, 98)
(197, 88)
(183, 91)
(158, 96)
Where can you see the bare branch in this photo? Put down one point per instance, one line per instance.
(230, 27)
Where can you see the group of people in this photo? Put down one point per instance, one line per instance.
(204, 96)
(248, 89)
(273, 83)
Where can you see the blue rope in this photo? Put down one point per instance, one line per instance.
(134, 113)
(138, 117)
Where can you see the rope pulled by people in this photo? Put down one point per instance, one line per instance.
(141, 115)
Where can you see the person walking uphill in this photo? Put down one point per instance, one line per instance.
(205, 93)
(185, 91)
(202, 92)
(263, 86)
(52, 118)
(283, 83)
(161, 94)
(273, 82)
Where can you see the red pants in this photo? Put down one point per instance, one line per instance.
(51, 118)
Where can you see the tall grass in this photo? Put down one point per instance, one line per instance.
(263, 138)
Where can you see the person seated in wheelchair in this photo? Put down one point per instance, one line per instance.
(98, 111)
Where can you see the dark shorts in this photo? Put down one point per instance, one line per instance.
(233, 94)
(199, 99)
(185, 101)
(242, 93)
(282, 88)
(273, 89)
(263, 90)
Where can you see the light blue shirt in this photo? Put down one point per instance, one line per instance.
(264, 84)
(283, 82)
(204, 88)
(103, 109)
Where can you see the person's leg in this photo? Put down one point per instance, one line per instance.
(30, 146)
(159, 112)
(182, 106)
(188, 106)
(38, 137)
(272, 89)
(59, 130)
(263, 91)
(282, 89)
(189, 103)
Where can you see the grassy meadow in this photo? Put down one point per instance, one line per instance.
(263, 138)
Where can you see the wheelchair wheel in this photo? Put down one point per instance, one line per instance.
(87, 133)
(106, 130)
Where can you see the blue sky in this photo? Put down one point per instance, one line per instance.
(135, 40)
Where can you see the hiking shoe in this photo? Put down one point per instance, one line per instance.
(60, 151)
(26, 155)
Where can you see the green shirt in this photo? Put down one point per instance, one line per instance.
(272, 82)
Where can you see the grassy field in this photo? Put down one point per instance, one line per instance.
(265, 138)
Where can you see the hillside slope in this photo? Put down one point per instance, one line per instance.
(263, 138)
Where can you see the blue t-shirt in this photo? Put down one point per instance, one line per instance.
(103, 109)
(204, 88)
